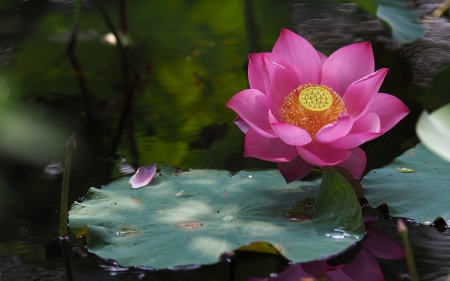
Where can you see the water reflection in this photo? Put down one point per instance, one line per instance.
(431, 251)
(126, 169)
(337, 234)
(5, 55)
(53, 169)
(12, 269)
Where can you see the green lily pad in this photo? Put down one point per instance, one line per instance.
(194, 217)
(401, 20)
(395, 14)
(415, 186)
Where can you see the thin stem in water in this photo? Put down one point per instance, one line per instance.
(403, 231)
(132, 79)
(63, 239)
(441, 9)
(118, 38)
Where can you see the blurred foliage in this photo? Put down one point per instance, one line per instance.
(433, 131)
(31, 136)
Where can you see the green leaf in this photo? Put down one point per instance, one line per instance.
(401, 20)
(433, 131)
(194, 217)
(333, 205)
(368, 5)
(415, 186)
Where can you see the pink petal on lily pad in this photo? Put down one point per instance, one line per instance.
(143, 176)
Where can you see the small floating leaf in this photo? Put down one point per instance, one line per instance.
(127, 231)
(405, 170)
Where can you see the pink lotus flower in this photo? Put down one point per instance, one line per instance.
(304, 109)
(363, 267)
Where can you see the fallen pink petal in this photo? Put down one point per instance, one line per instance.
(312, 110)
(143, 176)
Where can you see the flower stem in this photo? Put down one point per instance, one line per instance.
(70, 146)
(64, 242)
(403, 231)
(63, 221)
(441, 9)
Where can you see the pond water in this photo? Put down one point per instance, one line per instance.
(162, 101)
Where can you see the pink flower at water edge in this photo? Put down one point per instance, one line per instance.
(143, 176)
(364, 267)
(304, 109)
